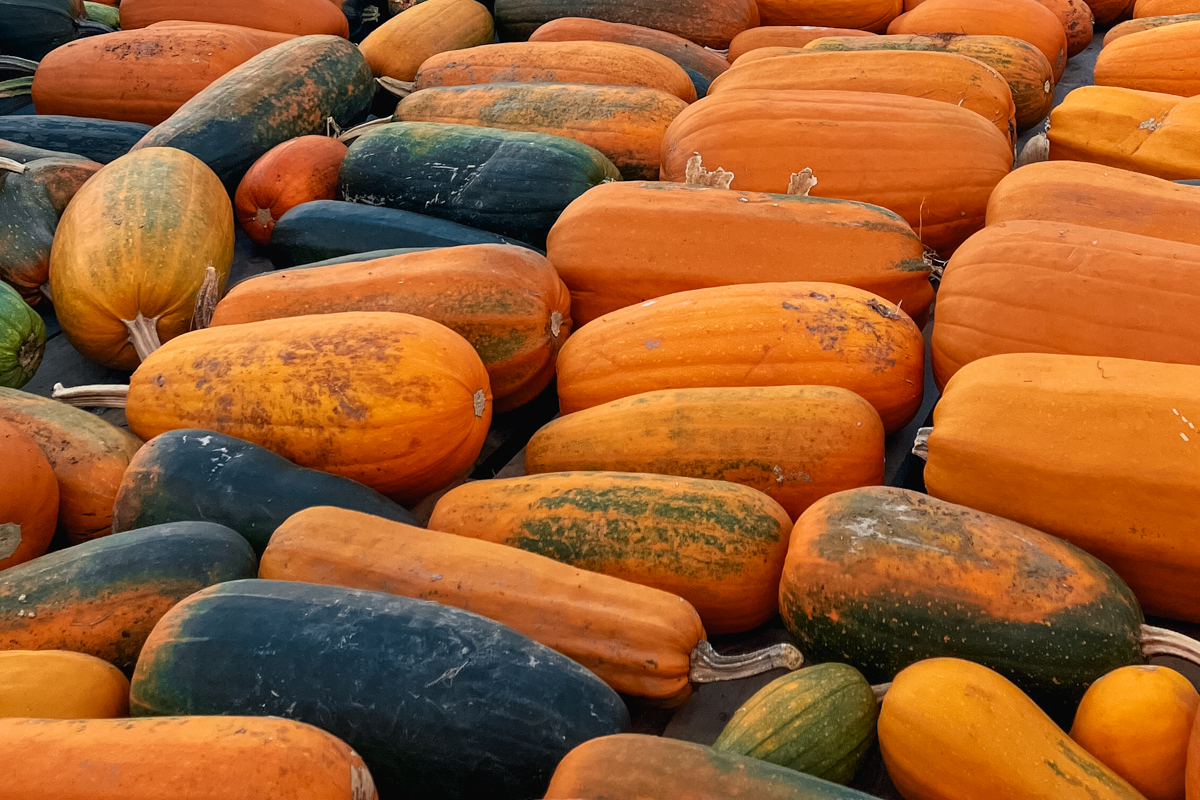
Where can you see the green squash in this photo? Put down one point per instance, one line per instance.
(101, 140)
(22, 339)
(105, 15)
(32, 28)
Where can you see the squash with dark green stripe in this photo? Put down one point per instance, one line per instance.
(22, 339)
(100, 140)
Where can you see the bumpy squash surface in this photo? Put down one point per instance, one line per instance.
(59, 684)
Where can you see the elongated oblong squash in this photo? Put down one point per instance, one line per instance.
(100, 140)
(59, 684)
(784, 36)
(981, 725)
(398, 47)
(705, 22)
(1129, 422)
(625, 123)
(934, 164)
(506, 301)
(718, 545)
(185, 757)
(1109, 11)
(29, 504)
(300, 170)
(765, 334)
(1162, 8)
(1165, 59)
(864, 15)
(1145, 24)
(793, 443)
(300, 17)
(462, 683)
(31, 28)
(266, 39)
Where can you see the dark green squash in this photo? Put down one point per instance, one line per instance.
(509, 182)
(441, 703)
(22, 339)
(32, 28)
(100, 140)
(292, 89)
(23, 153)
(201, 475)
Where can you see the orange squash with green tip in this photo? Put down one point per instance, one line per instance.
(299, 17)
(397, 48)
(297, 171)
(29, 502)
(1165, 59)
(784, 36)
(59, 684)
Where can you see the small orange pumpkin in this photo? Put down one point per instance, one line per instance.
(28, 499)
(295, 172)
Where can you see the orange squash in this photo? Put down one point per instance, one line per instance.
(29, 502)
(1138, 721)
(623, 243)
(765, 334)
(1163, 8)
(60, 684)
(1023, 19)
(1145, 24)
(1019, 287)
(299, 17)
(708, 23)
(598, 63)
(718, 545)
(297, 171)
(508, 302)
(398, 47)
(947, 77)
(1165, 59)
(265, 39)
(625, 123)
(397, 402)
(995, 448)
(1107, 12)
(795, 444)
(865, 15)
(934, 164)
(784, 36)
(1076, 19)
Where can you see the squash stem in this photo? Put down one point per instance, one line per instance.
(879, 690)
(1163, 642)
(9, 165)
(400, 89)
(709, 666)
(143, 335)
(45, 290)
(206, 300)
(921, 443)
(96, 395)
(350, 134)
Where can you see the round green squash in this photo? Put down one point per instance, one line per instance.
(22, 339)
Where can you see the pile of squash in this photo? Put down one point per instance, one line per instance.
(727, 240)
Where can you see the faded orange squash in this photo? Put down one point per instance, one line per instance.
(784, 36)
(1145, 24)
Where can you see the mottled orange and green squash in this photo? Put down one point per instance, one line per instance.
(795, 444)
(397, 48)
(783, 36)
(508, 302)
(298, 171)
(864, 15)
(1145, 24)
(299, 17)
(765, 334)
(718, 545)
(181, 757)
(396, 402)
(29, 502)
(59, 684)
(982, 726)
(1164, 59)
(1107, 12)
(708, 23)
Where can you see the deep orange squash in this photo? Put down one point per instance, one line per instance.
(1165, 59)
(784, 36)
(298, 171)
(265, 39)
(398, 47)
(60, 684)
(1076, 19)
(1162, 8)
(683, 52)
(29, 502)
(299, 17)
(709, 23)
(1145, 24)
(1107, 12)
(864, 15)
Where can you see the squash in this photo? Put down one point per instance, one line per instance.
(107, 15)
(1158, 60)
(32, 28)
(144, 243)
(265, 39)
(103, 597)
(185, 757)
(657, 768)
(795, 444)
(625, 123)
(1022, 19)
(290, 90)
(1020, 286)
(718, 545)
(99, 140)
(1142, 710)
(1029, 74)
(1106, 12)
(399, 46)
(462, 683)
(1162, 8)
(299, 17)
(23, 154)
(506, 301)
(819, 721)
(1077, 22)
(935, 166)
(59, 684)
(765, 334)
(136, 75)
(508, 182)
(1133, 418)
(784, 36)
(297, 171)
(192, 474)
(981, 727)
(708, 23)
(29, 505)
(948, 77)
(624, 243)
(1145, 24)
(393, 401)
(22, 339)
(864, 15)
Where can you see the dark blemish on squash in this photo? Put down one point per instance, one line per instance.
(788, 306)
(882, 310)
(653, 344)
(1089, 768)
(1073, 781)
(817, 296)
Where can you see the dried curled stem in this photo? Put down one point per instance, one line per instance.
(709, 666)
(802, 182)
(350, 134)
(96, 395)
(921, 443)
(143, 335)
(9, 165)
(401, 89)
(879, 690)
(696, 175)
(1163, 642)
(206, 299)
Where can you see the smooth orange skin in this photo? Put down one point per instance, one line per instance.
(1165, 59)
(680, 50)
(1192, 772)
(1145, 24)
(1076, 19)
(299, 17)
(29, 500)
(947, 77)
(766, 334)
(1107, 12)
(59, 684)
(1162, 8)
(463, 288)
(185, 758)
(708, 23)
(626, 242)
(265, 39)
(297, 171)
(1116, 437)
(385, 399)
(397, 48)
(1138, 721)
(866, 15)
(784, 36)
(954, 730)
(932, 163)
(636, 639)
(597, 63)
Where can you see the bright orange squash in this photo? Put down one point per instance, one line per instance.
(1145, 24)
(784, 36)
(298, 171)
(1076, 19)
(60, 684)
(299, 17)
(1163, 8)
(397, 48)
(1107, 12)
(29, 502)
(865, 15)
(1165, 59)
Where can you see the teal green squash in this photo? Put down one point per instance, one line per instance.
(32, 28)
(22, 339)
(105, 15)
(100, 140)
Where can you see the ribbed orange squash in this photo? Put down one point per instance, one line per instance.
(865, 15)
(508, 302)
(625, 123)
(947, 77)
(394, 401)
(784, 36)
(598, 63)
(795, 444)
(996, 448)
(683, 52)
(709, 23)
(1163, 8)
(932, 163)
(1145, 24)
(1022, 19)
(265, 39)
(297, 171)
(1076, 19)
(300, 17)
(29, 502)
(60, 684)
(623, 243)
(765, 334)
(133, 250)
(1165, 59)
(398, 47)
(1107, 12)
